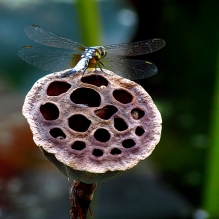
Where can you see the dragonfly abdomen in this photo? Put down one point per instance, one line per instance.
(81, 66)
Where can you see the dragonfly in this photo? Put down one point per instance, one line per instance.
(76, 57)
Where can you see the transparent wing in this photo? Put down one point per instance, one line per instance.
(130, 68)
(46, 37)
(49, 60)
(137, 48)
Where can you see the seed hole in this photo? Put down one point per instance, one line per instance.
(120, 124)
(128, 143)
(58, 87)
(115, 151)
(97, 153)
(106, 112)
(49, 111)
(137, 113)
(96, 80)
(139, 131)
(78, 145)
(79, 123)
(57, 133)
(122, 96)
(102, 135)
(86, 96)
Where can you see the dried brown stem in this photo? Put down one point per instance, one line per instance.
(81, 195)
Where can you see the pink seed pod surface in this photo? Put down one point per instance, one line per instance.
(92, 126)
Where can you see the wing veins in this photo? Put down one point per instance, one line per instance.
(137, 48)
(48, 38)
(46, 59)
(130, 68)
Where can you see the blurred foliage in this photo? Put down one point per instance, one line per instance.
(90, 22)
(211, 187)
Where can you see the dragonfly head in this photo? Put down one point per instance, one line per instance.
(101, 52)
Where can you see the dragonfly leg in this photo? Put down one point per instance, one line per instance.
(98, 82)
(83, 72)
(99, 65)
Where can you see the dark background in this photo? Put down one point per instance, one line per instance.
(168, 184)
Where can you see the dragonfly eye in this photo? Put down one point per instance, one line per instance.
(102, 52)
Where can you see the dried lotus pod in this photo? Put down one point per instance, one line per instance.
(92, 127)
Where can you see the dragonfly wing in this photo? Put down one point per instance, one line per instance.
(46, 37)
(137, 48)
(130, 68)
(49, 60)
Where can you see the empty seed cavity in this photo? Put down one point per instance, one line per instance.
(120, 124)
(128, 143)
(97, 152)
(115, 151)
(58, 87)
(137, 113)
(102, 135)
(78, 145)
(57, 133)
(139, 131)
(106, 112)
(79, 123)
(96, 80)
(86, 96)
(49, 111)
(122, 96)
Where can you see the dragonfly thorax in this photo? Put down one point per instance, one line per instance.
(96, 52)
(89, 59)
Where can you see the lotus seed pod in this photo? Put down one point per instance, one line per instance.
(92, 126)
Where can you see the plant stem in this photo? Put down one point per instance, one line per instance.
(90, 22)
(81, 195)
(210, 201)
